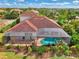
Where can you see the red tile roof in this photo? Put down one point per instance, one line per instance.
(22, 27)
(34, 23)
(44, 22)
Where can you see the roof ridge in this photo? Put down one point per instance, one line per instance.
(31, 25)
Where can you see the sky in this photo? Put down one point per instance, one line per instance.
(39, 3)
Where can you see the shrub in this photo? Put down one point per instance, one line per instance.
(48, 49)
(1, 44)
(29, 49)
(14, 23)
(17, 20)
(67, 52)
(77, 46)
(75, 38)
(54, 49)
(62, 48)
(8, 47)
(1, 31)
(34, 48)
(69, 28)
(18, 47)
(41, 50)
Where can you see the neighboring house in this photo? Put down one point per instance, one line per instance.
(77, 17)
(36, 29)
(5, 22)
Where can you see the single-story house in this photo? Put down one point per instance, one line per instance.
(36, 29)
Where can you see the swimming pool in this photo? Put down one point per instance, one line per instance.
(50, 40)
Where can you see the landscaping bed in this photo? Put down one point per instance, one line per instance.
(60, 51)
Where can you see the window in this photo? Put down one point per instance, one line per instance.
(23, 37)
(8, 39)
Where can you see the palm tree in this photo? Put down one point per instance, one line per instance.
(11, 14)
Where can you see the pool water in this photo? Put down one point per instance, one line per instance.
(50, 40)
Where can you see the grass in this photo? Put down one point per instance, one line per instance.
(63, 57)
(1, 36)
(9, 55)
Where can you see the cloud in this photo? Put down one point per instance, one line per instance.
(58, 3)
(8, 4)
(14, 3)
(4, 3)
(1, 3)
(66, 2)
(76, 1)
(53, 4)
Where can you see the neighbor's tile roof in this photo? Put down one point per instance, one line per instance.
(30, 13)
(2, 24)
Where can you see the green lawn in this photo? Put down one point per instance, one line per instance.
(1, 35)
(9, 55)
(63, 57)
